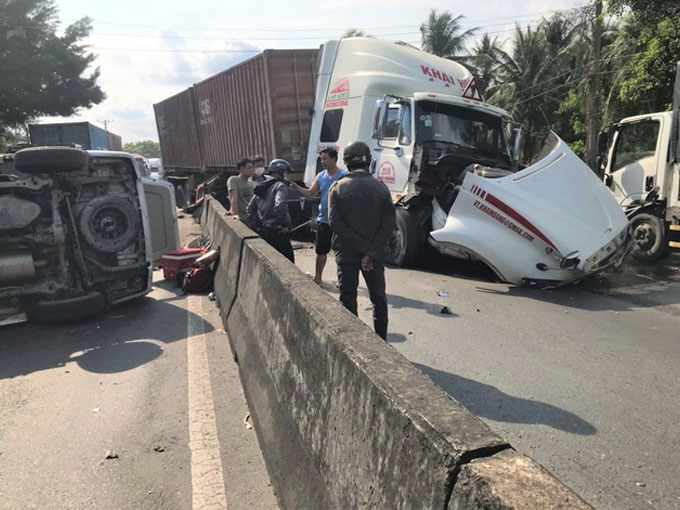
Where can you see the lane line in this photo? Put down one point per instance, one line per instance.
(207, 476)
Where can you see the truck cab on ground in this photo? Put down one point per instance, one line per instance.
(450, 161)
(79, 232)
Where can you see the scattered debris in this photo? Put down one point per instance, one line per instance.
(96, 409)
(446, 311)
(566, 311)
(410, 332)
(246, 420)
(211, 296)
(180, 216)
(111, 454)
(159, 449)
(478, 309)
(641, 484)
(443, 293)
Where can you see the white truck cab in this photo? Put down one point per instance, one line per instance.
(450, 161)
(642, 173)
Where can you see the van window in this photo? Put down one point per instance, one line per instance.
(330, 129)
(635, 142)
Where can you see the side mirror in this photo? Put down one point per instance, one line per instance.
(516, 143)
(602, 143)
(381, 108)
(608, 180)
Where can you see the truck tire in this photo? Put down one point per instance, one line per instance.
(650, 239)
(109, 224)
(180, 196)
(403, 247)
(50, 159)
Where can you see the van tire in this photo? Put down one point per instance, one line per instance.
(650, 238)
(50, 159)
(403, 247)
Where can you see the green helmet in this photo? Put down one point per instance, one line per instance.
(357, 155)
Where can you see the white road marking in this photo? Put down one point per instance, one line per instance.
(207, 477)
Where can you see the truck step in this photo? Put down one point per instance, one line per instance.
(675, 228)
(674, 244)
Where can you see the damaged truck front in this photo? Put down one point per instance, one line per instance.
(450, 161)
(74, 234)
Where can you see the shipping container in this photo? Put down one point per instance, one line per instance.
(261, 106)
(177, 135)
(115, 142)
(87, 135)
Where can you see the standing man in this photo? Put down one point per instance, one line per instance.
(260, 168)
(240, 190)
(322, 183)
(362, 218)
(268, 210)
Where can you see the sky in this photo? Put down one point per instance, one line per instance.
(149, 50)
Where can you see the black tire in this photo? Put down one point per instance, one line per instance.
(109, 224)
(50, 159)
(650, 238)
(180, 196)
(404, 246)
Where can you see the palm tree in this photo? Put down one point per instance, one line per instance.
(354, 32)
(442, 35)
(484, 61)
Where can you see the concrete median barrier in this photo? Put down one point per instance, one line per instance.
(345, 421)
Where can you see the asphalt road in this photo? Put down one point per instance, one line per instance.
(153, 381)
(583, 379)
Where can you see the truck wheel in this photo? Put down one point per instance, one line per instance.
(650, 241)
(404, 246)
(109, 224)
(50, 159)
(180, 196)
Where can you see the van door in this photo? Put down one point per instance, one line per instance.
(634, 157)
(162, 217)
(394, 151)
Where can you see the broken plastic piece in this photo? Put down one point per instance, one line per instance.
(446, 311)
(443, 293)
(111, 454)
(96, 409)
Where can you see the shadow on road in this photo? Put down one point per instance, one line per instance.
(489, 402)
(127, 336)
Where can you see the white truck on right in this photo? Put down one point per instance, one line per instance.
(642, 169)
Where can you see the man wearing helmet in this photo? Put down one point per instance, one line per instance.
(362, 218)
(268, 210)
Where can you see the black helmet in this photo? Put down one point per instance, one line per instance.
(357, 155)
(278, 166)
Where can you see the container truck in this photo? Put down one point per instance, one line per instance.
(261, 106)
(86, 135)
(642, 168)
(450, 161)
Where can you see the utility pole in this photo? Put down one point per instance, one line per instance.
(593, 103)
(106, 123)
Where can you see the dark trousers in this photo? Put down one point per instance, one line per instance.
(348, 276)
(279, 240)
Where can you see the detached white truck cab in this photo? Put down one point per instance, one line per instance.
(449, 160)
(642, 171)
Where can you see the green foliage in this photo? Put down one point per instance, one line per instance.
(146, 148)
(41, 72)
(442, 35)
(653, 67)
(354, 32)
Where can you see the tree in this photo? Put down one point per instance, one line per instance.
(146, 148)
(484, 61)
(42, 73)
(442, 34)
(354, 32)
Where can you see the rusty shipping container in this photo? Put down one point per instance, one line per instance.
(115, 142)
(176, 125)
(261, 106)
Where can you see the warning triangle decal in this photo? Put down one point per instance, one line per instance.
(472, 91)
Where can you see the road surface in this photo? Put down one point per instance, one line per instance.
(583, 379)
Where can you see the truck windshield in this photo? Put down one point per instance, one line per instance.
(464, 129)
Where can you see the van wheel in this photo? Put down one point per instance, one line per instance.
(403, 247)
(50, 159)
(650, 240)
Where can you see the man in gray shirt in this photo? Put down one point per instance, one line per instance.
(240, 189)
(362, 218)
